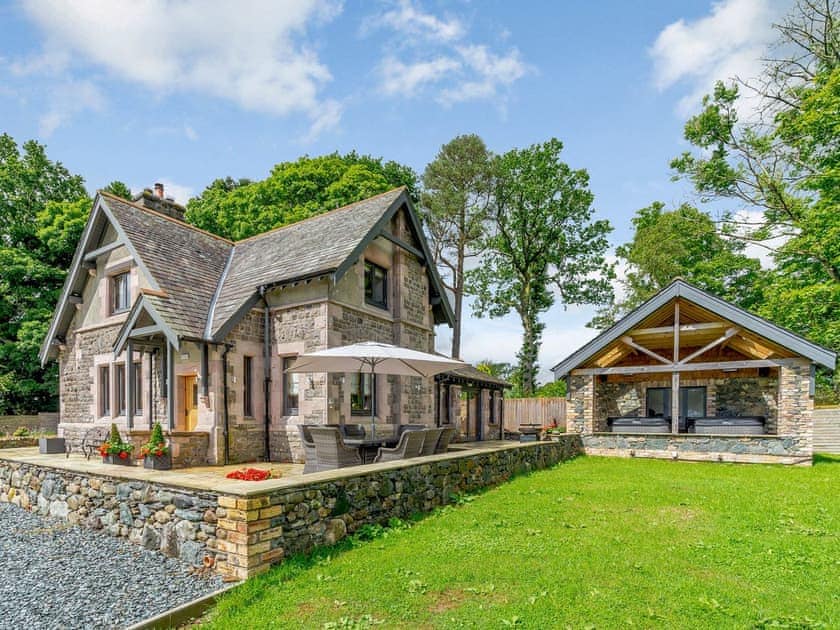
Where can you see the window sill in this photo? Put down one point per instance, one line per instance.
(377, 305)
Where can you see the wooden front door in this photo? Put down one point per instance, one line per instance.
(190, 398)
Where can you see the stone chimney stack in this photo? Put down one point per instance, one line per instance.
(157, 202)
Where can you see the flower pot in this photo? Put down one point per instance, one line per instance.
(116, 459)
(158, 462)
(51, 445)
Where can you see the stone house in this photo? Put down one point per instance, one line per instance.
(161, 321)
(689, 376)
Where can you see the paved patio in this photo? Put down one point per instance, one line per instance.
(213, 477)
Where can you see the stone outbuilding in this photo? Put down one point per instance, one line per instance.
(689, 376)
(161, 321)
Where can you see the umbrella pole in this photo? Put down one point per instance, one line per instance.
(372, 402)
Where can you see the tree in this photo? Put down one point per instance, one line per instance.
(294, 191)
(781, 166)
(685, 243)
(455, 201)
(542, 244)
(34, 243)
(28, 181)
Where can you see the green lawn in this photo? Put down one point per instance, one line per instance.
(595, 542)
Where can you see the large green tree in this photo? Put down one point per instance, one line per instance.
(30, 184)
(542, 245)
(782, 166)
(684, 242)
(455, 199)
(293, 191)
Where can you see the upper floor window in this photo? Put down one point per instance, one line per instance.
(119, 293)
(291, 384)
(376, 285)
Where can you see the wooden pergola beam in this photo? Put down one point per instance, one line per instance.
(723, 338)
(627, 340)
(667, 330)
(687, 367)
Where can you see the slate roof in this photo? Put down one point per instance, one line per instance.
(682, 289)
(319, 244)
(186, 263)
(202, 283)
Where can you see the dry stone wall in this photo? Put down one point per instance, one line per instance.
(175, 521)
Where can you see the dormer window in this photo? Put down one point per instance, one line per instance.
(376, 285)
(119, 293)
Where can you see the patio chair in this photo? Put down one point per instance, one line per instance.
(409, 427)
(431, 441)
(446, 435)
(331, 451)
(353, 431)
(410, 445)
(310, 463)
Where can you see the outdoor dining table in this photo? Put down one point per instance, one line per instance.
(369, 447)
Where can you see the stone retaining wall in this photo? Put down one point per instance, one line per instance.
(175, 521)
(44, 422)
(758, 449)
(261, 529)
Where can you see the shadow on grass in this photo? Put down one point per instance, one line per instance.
(825, 458)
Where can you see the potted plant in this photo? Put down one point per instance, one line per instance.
(114, 450)
(155, 453)
(51, 445)
(553, 432)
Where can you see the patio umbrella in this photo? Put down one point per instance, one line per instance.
(374, 358)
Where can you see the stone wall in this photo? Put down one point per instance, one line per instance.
(757, 449)
(262, 528)
(76, 371)
(580, 408)
(43, 422)
(175, 521)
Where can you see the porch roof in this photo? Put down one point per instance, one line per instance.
(750, 329)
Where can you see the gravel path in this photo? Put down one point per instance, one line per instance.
(53, 575)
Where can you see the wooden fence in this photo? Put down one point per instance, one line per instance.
(827, 430)
(542, 411)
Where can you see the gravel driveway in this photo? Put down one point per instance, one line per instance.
(53, 575)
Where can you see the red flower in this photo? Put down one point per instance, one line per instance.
(123, 455)
(159, 452)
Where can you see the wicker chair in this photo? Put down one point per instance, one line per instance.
(446, 435)
(409, 427)
(410, 445)
(331, 451)
(353, 431)
(431, 441)
(311, 463)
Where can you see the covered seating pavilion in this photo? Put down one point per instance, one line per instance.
(687, 363)
(484, 411)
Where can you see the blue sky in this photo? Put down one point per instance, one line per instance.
(184, 92)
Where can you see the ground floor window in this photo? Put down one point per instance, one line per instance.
(248, 387)
(119, 388)
(291, 384)
(138, 387)
(362, 394)
(104, 390)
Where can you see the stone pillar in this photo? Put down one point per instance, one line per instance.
(795, 409)
(580, 410)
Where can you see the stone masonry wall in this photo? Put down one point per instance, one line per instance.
(580, 405)
(177, 522)
(796, 406)
(262, 529)
(714, 448)
(188, 448)
(246, 433)
(76, 372)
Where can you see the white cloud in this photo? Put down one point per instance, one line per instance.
(490, 72)
(404, 16)
(399, 78)
(431, 53)
(726, 44)
(67, 100)
(255, 56)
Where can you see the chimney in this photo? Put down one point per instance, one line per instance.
(157, 202)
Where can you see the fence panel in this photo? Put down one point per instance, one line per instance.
(542, 411)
